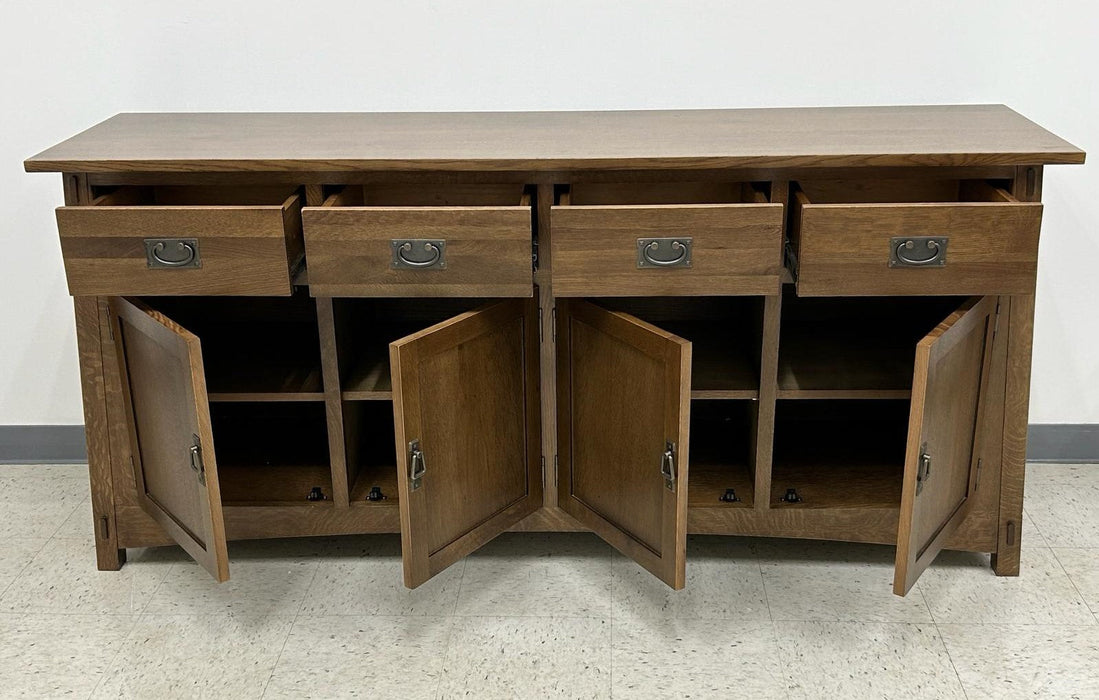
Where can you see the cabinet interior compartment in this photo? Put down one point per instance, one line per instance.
(371, 457)
(900, 191)
(839, 453)
(655, 193)
(430, 195)
(365, 328)
(194, 195)
(253, 348)
(271, 453)
(721, 455)
(853, 348)
(725, 335)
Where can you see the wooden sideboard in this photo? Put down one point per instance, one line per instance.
(809, 323)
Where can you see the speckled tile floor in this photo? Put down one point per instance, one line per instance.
(535, 616)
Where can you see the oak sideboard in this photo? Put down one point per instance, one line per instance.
(807, 323)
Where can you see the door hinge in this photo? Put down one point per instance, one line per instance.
(553, 320)
(555, 469)
(977, 478)
(543, 471)
(996, 323)
(541, 331)
(110, 325)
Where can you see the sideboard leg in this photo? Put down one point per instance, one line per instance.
(1005, 562)
(109, 556)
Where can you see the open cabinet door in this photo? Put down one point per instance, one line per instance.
(466, 413)
(164, 393)
(943, 454)
(623, 402)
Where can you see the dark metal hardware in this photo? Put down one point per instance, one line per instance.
(375, 494)
(418, 254)
(416, 465)
(664, 252)
(923, 469)
(667, 465)
(316, 494)
(918, 251)
(791, 496)
(729, 496)
(197, 465)
(172, 253)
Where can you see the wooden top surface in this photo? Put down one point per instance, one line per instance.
(959, 135)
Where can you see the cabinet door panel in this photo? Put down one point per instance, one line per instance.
(465, 402)
(943, 453)
(164, 396)
(624, 402)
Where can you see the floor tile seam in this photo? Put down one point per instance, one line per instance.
(950, 658)
(23, 569)
(109, 666)
(1073, 582)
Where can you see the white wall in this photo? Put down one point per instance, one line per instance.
(67, 65)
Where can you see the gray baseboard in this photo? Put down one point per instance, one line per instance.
(42, 444)
(1063, 442)
(63, 444)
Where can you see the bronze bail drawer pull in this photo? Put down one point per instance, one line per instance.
(646, 247)
(435, 249)
(935, 245)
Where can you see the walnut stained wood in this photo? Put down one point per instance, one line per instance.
(950, 379)
(245, 249)
(466, 391)
(488, 248)
(623, 395)
(736, 248)
(305, 392)
(844, 249)
(486, 141)
(170, 432)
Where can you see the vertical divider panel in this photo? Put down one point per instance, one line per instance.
(764, 415)
(333, 403)
(543, 202)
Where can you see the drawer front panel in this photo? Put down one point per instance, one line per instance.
(240, 250)
(968, 248)
(724, 249)
(461, 251)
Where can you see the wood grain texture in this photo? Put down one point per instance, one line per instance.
(245, 250)
(949, 385)
(623, 391)
(161, 364)
(951, 135)
(488, 248)
(736, 249)
(90, 327)
(342, 474)
(467, 390)
(844, 249)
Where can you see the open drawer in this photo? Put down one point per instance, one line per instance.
(886, 237)
(421, 241)
(645, 239)
(183, 241)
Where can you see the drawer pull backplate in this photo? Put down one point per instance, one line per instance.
(418, 254)
(917, 251)
(664, 252)
(172, 253)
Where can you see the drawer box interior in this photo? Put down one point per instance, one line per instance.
(653, 193)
